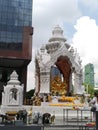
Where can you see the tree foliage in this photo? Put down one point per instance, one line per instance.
(89, 89)
(30, 93)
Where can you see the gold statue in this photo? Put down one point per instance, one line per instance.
(30, 112)
(58, 86)
(36, 100)
(49, 98)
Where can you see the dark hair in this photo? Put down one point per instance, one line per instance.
(95, 94)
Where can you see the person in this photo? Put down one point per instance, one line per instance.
(94, 98)
(96, 114)
(96, 108)
(24, 116)
(93, 102)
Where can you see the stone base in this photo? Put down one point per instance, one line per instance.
(58, 110)
(5, 109)
(49, 109)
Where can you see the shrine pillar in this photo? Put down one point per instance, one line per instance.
(37, 89)
(70, 82)
(45, 82)
(77, 83)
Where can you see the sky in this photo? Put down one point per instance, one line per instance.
(79, 21)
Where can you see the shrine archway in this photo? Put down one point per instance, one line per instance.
(60, 80)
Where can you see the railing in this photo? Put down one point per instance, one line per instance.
(77, 115)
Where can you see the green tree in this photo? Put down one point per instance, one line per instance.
(30, 94)
(89, 89)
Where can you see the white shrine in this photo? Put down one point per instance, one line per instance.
(60, 56)
(12, 97)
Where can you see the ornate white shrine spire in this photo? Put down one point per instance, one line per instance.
(14, 78)
(55, 41)
(57, 34)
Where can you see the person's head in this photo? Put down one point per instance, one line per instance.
(97, 97)
(95, 94)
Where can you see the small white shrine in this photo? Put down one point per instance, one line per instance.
(12, 97)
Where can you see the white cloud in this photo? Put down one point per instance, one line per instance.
(48, 13)
(53, 10)
(85, 40)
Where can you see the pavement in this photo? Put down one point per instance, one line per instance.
(60, 124)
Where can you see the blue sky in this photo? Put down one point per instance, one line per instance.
(79, 21)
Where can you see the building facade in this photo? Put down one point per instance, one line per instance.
(15, 39)
(89, 74)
